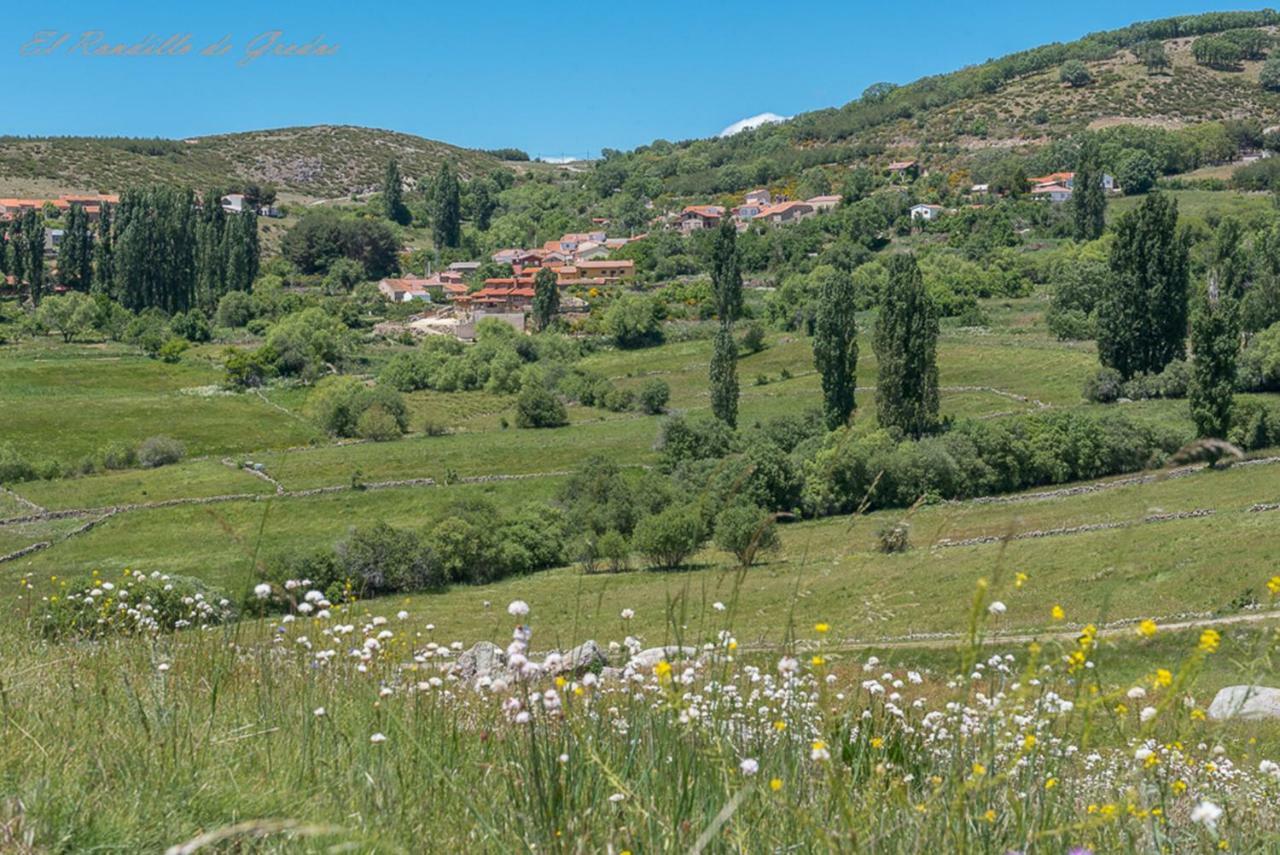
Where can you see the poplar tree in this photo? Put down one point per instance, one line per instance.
(835, 348)
(154, 251)
(1088, 197)
(1142, 317)
(724, 376)
(31, 254)
(1215, 343)
(103, 262)
(393, 195)
(546, 298)
(726, 284)
(211, 251)
(242, 251)
(446, 214)
(906, 346)
(75, 253)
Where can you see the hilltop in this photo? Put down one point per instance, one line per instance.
(322, 160)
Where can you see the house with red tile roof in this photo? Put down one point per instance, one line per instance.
(404, 290)
(696, 217)
(785, 213)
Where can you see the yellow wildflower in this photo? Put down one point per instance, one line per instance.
(821, 628)
(817, 662)
(779, 726)
(979, 770)
(560, 682)
(1028, 742)
(1273, 585)
(1020, 579)
(662, 669)
(1179, 787)
(1058, 613)
(775, 784)
(876, 742)
(1209, 640)
(1051, 783)
(990, 815)
(1164, 677)
(1147, 628)
(1197, 715)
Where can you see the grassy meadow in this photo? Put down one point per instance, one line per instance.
(834, 694)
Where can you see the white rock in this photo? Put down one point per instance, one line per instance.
(651, 657)
(1247, 702)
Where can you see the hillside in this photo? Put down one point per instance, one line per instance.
(324, 160)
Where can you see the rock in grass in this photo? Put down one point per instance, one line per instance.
(1245, 702)
(586, 657)
(484, 658)
(646, 659)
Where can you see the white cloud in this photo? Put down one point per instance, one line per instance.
(753, 122)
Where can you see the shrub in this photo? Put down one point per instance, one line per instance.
(172, 349)
(235, 309)
(612, 547)
(1070, 324)
(1104, 387)
(696, 437)
(156, 603)
(619, 400)
(377, 424)
(537, 407)
(193, 325)
(667, 539)
(1269, 76)
(431, 427)
(14, 468)
(158, 451)
(753, 340)
(892, 538)
(654, 395)
(119, 455)
(1075, 74)
(635, 320)
(745, 531)
(381, 559)
(338, 403)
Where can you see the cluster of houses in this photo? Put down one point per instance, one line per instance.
(758, 206)
(1055, 187)
(91, 203)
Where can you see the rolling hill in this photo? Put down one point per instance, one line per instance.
(323, 160)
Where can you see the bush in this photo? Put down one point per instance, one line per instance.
(635, 320)
(172, 350)
(612, 547)
(235, 309)
(745, 531)
(119, 455)
(381, 559)
(338, 404)
(667, 539)
(1075, 74)
(893, 538)
(696, 437)
(14, 468)
(1070, 324)
(753, 340)
(377, 424)
(537, 407)
(159, 451)
(193, 326)
(654, 395)
(1104, 387)
(157, 603)
(1269, 76)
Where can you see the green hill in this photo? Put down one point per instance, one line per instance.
(324, 160)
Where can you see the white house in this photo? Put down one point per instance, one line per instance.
(1052, 192)
(928, 213)
(404, 290)
(233, 203)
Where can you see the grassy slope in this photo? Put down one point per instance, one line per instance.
(323, 160)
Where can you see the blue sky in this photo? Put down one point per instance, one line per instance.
(554, 79)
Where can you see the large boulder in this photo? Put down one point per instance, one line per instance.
(646, 659)
(587, 656)
(1246, 702)
(484, 658)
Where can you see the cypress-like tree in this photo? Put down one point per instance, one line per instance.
(31, 253)
(835, 348)
(483, 203)
(546, 298)
(1142, 318)
(242, 251)
(211, 251)
(906, 345)
(446, 219)
(1215, 342)
(726, 276)
(726, 284)
(393, 195)
(1228, 262)
(103, 262)
(724, 376)
(1088, 198)
(75, 253)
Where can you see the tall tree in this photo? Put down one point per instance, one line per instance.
(546, 298)
(1227, 260)
(446, 213)
(242, 251)
(1215, 343)
(1088, 198)
(906, 345)
(31, 254)
(726, 284)
(75, 253)
(1142, 317)
(103, 261)
(835, 348)
(154, 251)
(484, 201)
(211, 251)
(393, 206)
(724, 376)
(726, 276)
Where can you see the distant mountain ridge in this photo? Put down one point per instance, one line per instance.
(321, 160)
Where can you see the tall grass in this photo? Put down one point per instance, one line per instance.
(349, 730)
